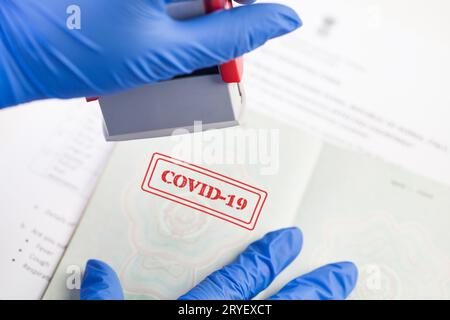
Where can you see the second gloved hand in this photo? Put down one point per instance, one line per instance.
(251, 272)
(119, 44)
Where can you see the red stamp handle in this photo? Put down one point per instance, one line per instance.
(233, 70)
(214, 5)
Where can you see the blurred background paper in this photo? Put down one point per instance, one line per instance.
(52, 153)
(372, 75)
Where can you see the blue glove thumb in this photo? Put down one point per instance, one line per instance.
(100, 282)
(236, 32)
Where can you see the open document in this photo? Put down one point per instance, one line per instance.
(390, 222)
(52, 153)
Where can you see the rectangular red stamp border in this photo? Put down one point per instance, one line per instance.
(198, 204)
(244, 224)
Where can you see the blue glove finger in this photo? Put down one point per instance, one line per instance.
(222, 36)
(100, 282)
(253, 270)
(331, 282)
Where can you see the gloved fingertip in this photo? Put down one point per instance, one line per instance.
(341, 277)
(282, 18)
(97, 264)
(297, 237)
(281, 247)
(227, 34)
(260, 22)
(100, 282)
(292, 237)
(348, 267)
(100, 267)
(331, 282)
(291, 16)
(347, 272)
(295, 231)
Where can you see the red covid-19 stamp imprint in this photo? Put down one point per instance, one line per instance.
(217, 195)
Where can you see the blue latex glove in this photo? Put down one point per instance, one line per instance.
(121, 44)
(249, 274)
